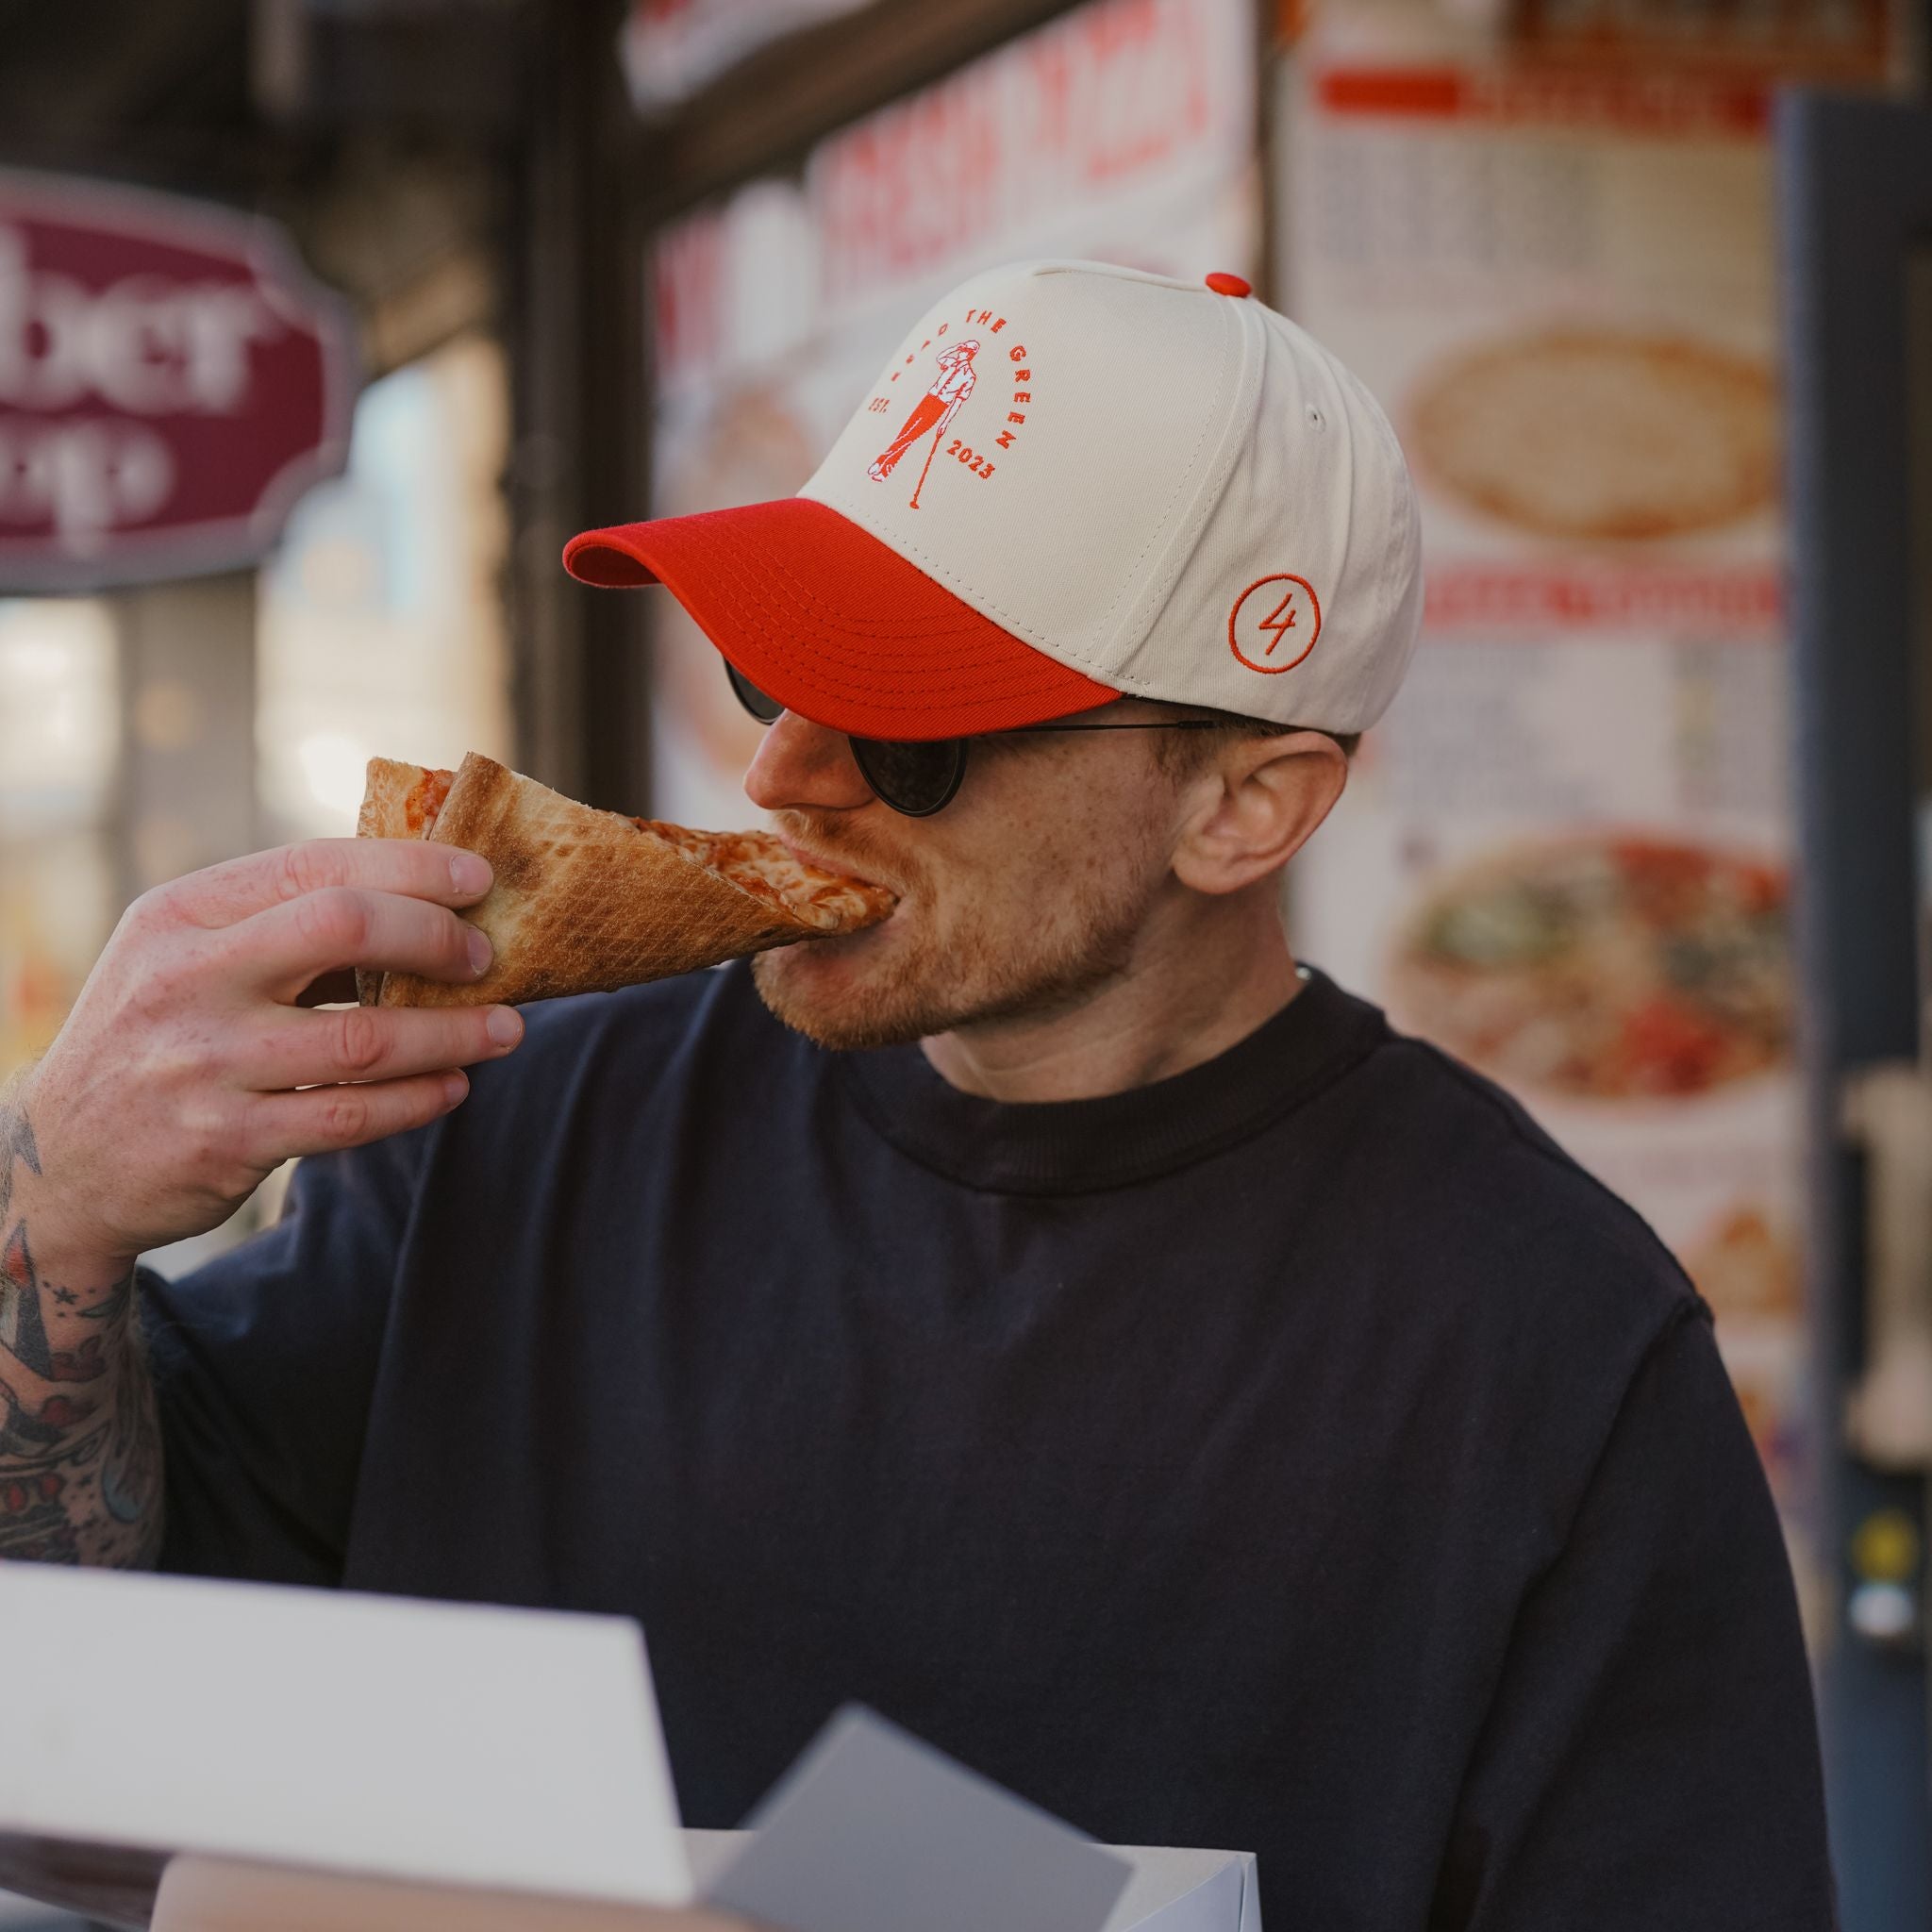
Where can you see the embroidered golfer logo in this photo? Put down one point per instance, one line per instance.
(933, 412)
(1275, 622)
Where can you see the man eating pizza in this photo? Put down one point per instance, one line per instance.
(1048, 1313)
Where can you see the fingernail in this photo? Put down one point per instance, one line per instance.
(454, 1088)
(480, 951)
(503, 1027)
(468, 872)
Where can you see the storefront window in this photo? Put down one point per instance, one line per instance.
(380, 624)
(60, 735)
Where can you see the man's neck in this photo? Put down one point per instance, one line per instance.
(1196, 985)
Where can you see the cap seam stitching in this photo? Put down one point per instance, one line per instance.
(1162, 524)
(1161, 588)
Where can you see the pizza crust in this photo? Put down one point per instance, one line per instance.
(399, 801)
(760, 865)
(586, 901)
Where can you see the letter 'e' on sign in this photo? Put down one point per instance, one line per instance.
(172, 381)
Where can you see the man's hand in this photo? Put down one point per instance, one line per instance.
(192, 1064)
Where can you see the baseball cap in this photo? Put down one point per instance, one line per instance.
(1072, 482)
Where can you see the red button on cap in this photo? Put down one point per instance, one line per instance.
(1227, 285)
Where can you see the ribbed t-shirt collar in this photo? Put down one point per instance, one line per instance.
(1078, 1147)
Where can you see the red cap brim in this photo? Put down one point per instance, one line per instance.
(836, 626)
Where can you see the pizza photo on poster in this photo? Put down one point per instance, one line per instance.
(1602, 965)
(1597, 434)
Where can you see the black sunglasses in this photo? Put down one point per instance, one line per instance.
(917, 777)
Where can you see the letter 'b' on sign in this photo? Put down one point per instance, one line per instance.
(1275, 622)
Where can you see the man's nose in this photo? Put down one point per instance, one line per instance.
(803, 766)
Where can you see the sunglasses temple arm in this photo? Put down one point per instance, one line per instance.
(1178, 724)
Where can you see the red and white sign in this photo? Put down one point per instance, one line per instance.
(1124, 131)
(1098, 104)
(171, 381)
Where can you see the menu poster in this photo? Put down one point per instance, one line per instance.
(1124, 131)
(1564, 856)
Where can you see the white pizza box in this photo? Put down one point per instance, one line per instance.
(225, 1755)
(872, 1830)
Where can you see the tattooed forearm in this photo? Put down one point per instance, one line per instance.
(79, 1441)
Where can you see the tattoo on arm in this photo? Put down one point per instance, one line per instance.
(16, 1143)
(79, 1440)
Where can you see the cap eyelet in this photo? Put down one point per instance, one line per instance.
(1316, 417)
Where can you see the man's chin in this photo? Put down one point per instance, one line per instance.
(842, 993)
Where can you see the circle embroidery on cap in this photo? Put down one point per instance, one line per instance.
(1275, 622)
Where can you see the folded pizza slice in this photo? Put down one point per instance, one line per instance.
(399, 801)
(586, 901)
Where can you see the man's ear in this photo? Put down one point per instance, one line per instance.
(1254, 806)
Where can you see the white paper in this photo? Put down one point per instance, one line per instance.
(441, 1743)
(872, 1830)
(1174, 1890)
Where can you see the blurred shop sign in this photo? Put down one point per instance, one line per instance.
(1123, 130)
(171, 381)
(671, 49)
(1100, 103)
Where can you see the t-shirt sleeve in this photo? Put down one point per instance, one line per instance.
(1650, 1757)
(264, 1363)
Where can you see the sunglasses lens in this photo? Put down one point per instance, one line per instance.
(765, 709)
(912, 777)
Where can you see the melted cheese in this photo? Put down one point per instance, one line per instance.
(758, 863)
(425, 800)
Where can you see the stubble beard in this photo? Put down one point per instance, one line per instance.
(929, 983)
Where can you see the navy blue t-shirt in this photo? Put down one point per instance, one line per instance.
(1300, 1455)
